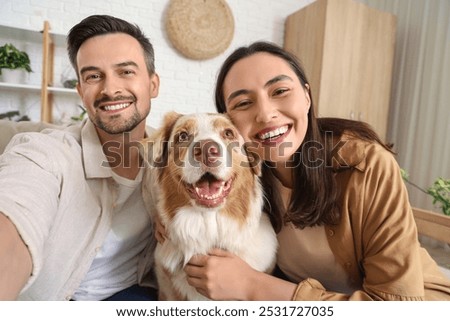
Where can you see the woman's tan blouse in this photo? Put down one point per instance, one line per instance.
(376, 241)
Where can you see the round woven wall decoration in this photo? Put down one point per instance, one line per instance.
(200, 29)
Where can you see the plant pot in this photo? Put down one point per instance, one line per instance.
(14, 76)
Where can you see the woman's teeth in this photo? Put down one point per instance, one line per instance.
(274, 133)
(115, 107)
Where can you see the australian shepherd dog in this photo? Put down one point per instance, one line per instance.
(207, 194)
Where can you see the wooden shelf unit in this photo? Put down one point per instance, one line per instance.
(47, 89)
(48, 50)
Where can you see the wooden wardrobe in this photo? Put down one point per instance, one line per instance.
(347, 50)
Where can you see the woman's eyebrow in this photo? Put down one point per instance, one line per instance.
(237, 93)
(277, 79)
(267, 84)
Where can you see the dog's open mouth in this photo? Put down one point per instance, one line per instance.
(209, 191)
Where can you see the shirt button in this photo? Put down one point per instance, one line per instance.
(68, 298)
(330, 232)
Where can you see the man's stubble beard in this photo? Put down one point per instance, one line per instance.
(121, 127)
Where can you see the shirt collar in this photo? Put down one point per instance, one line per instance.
(95, 163)
(351, 153)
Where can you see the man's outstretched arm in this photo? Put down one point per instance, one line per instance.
(15, 260)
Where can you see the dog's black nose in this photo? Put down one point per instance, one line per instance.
(207, 151)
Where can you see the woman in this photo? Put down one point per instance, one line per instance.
(334, 194)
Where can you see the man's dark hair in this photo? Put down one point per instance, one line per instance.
(96, 25)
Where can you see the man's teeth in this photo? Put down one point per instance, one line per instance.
(274, 133)
(116, 107)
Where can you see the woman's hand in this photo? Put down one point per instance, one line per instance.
(220, 275)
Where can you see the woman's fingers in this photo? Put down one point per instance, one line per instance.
(220, 252)
(208, 274)
(198, 260)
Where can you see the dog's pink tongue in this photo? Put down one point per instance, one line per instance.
(207, 187)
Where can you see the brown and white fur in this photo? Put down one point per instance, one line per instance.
(207, 195)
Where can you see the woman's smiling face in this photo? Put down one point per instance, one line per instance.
(267, 103)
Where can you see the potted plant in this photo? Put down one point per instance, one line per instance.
(14, 115)
(439, 191)
(433, 227)
(12, 58)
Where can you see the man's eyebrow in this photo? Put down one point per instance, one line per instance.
(121, 64)
(127, 63)
(267, 84)
(89, 68)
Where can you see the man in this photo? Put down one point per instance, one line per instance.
(72, 221)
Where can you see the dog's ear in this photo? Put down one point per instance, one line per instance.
(154, 149)
(169, 120)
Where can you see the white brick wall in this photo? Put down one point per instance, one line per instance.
(186, 85)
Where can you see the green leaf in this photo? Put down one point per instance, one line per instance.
(440, 191)
(12, 58)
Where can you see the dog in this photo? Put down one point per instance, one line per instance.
(207, 194)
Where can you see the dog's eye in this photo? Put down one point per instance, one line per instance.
(183, 137)
(229, 133)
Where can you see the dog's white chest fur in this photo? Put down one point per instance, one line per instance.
(207, 196)
(193, 232)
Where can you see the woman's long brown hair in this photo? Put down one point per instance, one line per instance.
(314, 193)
